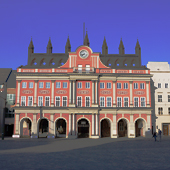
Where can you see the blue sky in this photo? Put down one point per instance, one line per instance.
(147, 20)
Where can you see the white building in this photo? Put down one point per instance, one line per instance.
(160, 90)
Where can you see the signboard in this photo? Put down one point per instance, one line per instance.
(61, 91)
(27, 91)
(61, 70)
(139, 92)
(45, 70)
(105, 71)
(27, 70)
(122, 71)
(122, 92)
(139, 71)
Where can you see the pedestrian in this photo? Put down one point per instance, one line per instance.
(159, 133)
(154, 135)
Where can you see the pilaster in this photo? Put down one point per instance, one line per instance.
(114, 93)
(35, 93)
(52, 93)
(18, 93)
(131, 93)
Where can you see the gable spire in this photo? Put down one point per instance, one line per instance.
(86, 40)
(104, 47)
(138, 51)
(121, 47)
(68, 46)
(49, 47)
(30, 49)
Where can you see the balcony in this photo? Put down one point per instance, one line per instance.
(83, 70)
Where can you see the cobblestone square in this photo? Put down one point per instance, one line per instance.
(103, 153)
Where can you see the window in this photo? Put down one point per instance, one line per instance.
(108, 85)
(126, 103)
(30, 84)
(168, 98)
(65, 101)
(119, 102)
(160, 110)
(79, 85)
(125, 85)
(64, 84)
(87, 68)
(102, 85)
(87, 85)
(40, 84)
(159, 98)
(11, 99)
(118, 85)
(48, 85)
(79, 101)
(24, 84)
(102, 102)
(87, 101)
(47, 101)
(40, 101)
(57, 84)
(109, 104)
(142, 100)
(166, 85)
(135, 85)
(136, 102)
(142, 86)
(57, 101)
(30, 103)
(23, 100)
(159, 85)
(79, 68)
(169, 110)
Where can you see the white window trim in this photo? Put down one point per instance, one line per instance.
(120, 85)
(25, 85)
(124, 101)
(141, 102)
(65, 87)
(79, 84)
(134, 101)
(117, 101)
(137, 86)
(124, 85)
(59, 100)
(25, 100)
(168, 85)
(42, 84)
(100, 101)
(110, 101)
(49, 100)
(56, 85)
(42, 101)
(81, 101)
(143, 86)
(103, 86)
(89, 101)
(29, 85)
(89, 85)
(63, 100)
(110, 85)
(46, 85)
(32, 100)
(161, 85)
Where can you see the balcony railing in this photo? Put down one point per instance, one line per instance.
(84, 70)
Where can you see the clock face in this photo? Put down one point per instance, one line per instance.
(84, 54)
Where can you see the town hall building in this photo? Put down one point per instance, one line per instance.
(83, 94)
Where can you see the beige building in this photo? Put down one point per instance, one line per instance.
(160, 91)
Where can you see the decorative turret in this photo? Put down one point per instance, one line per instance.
(104, 47)
(138, 51)
(121, 47)
(30, 49)
(68, 46)
(49, 47)
(86, 40)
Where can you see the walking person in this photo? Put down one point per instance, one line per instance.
(159, 133)
(154, 135)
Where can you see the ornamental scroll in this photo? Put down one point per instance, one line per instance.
(122, 92)
(27, 91)
(139, 92)
(105, 92)
(61, 91)
(44, 91)
(83, 92)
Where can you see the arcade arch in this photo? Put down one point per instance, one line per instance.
(105, 127)
(140, 127)
(83, 128)
(61, 127)
(122, 127)
(25, 127)
(43, 125)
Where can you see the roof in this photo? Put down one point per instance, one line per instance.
(4, 74)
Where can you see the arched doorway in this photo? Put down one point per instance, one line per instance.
(43, 128)
(25, 128)
(122, 128)
(61, 128)
(105, 128)
(139, 128)
(83, 128)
